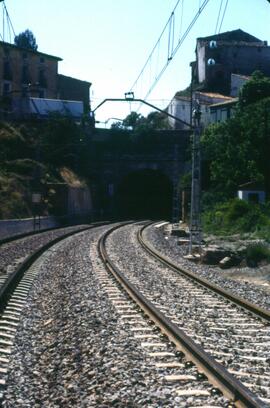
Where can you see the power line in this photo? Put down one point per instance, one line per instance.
(220, 7)
(172, 49)
(156, 45)
(224, 12)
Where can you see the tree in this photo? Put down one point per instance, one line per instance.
(26, 39)
(237, 151)
(139, 123)
(257, 88)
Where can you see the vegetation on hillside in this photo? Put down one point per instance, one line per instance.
(34, 155)
(237, 152)
(237, 217)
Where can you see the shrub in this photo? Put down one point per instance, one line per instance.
(237, 216)
(257, 253)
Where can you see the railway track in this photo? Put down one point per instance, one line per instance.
(14, 291)
(179, 365)
(220, 327)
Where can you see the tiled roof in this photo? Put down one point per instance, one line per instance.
(216, 95)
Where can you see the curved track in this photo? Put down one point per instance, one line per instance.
(209, 360)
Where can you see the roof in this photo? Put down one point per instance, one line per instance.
(44, 107)
(235, 35)
(5, 44)
(215, 95)
(74, 79)
(182, 98)
(252, 185)
(241, 76)
(225, 103)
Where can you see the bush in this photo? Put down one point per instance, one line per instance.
(237, 216)
(257, 253)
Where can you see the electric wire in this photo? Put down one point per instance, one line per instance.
(181, 40)
(220, 7)
(155, 46)
(224, 12)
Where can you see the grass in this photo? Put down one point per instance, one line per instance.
(236, 217)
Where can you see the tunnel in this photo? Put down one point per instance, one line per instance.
(144, 194)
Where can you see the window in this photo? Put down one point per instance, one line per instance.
(24, 55)
(6, 88)
(7, 70)
(41, 60)
(42, 79)
(25, 75)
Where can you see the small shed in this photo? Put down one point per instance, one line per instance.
(252, 192)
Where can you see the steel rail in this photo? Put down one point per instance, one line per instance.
(15, 277)
(239, 301)
(216, 373)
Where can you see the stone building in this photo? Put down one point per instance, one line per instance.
(220, 55)
(224, 62)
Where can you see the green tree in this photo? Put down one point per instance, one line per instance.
(26, 39)
(237, 151)
(257, 88)
(139, 123)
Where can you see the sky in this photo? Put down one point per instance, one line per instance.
(107, 42)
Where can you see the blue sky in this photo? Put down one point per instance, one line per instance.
(107, 42)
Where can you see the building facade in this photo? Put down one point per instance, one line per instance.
(220, 55)
(26, 72)
(74, 89)
(181, 107)
(29, 80)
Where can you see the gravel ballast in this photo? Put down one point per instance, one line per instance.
(237, 280)
(73, 349)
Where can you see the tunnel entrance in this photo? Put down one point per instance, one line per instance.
(144, 194)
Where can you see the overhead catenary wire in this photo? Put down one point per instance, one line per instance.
(224, 12)
(155, 46)
(173, 49)
(219, 11)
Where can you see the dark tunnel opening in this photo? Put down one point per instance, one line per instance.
(144, 194)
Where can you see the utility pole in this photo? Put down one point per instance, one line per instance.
(195, 211)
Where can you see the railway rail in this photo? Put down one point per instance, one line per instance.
(169, 340)
(235, 353)
(15, 287)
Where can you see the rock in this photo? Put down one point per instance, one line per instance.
(182, 241)
(212, 255)
(179, 232)
(229, 261)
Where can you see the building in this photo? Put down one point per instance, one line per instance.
(252, 192)
(237, 81)
(28, 78)
(233, 52)
(74, 89)
(224, 63)
(220, 112)
(180, 106)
